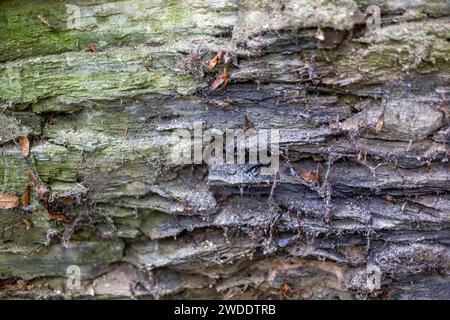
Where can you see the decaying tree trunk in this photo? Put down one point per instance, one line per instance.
(99, 86)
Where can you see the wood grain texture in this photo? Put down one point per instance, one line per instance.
(363, 116)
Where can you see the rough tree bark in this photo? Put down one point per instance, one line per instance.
(98, 87)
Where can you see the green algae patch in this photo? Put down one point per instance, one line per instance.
(16, 124)
(56, 163)
(74, 78)
(72, 26)
(10, 129)
(13, 171)
(24, 34)
(25, 228)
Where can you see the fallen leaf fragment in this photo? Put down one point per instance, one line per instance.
(8, 201)
(44, 21)
(20, 285)
(213, 62)
(92, 48)
(379, 124)
(26, 223)
(25, 200)
(308, 176)
(24, 146)
(286, 290)
(56, 216)
(216, 60)
(221, 80)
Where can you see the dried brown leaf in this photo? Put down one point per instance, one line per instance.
(19, 286)
(379, 125)
(308, 176)
(221, 80)
(8, 201)
(24, 146)
(92, 48)
(56, 216)
(216, 60)
(26, 223)
(213, 62)
(286, 290)
(25, 200)
(44, 21)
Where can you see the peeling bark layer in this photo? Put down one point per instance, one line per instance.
(100, 87)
